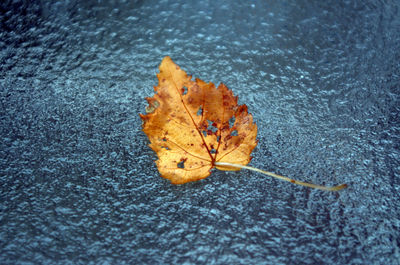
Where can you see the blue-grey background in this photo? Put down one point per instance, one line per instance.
(78, 181)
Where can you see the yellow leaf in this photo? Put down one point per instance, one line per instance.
(187, 123)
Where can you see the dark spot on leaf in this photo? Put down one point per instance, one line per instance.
(181, 164)
(200, 111)
(232, 121)
(213, 151)
(234, 133)
(184, 90)
(225, 127)
(212, 126)
(225, 100)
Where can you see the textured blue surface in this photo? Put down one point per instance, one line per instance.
(78, 181)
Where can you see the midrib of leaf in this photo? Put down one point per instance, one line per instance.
(220, 128)
(190, 115)
(220, 134)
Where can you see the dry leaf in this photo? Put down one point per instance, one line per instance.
(188, 124)
(194, 126)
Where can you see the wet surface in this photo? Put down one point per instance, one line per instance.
(78, 181)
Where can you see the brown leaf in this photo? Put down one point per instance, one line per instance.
(188, 125)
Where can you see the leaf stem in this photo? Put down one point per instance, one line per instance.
(335, 188)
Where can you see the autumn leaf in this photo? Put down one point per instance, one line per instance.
(194, 126)
(188, 124)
